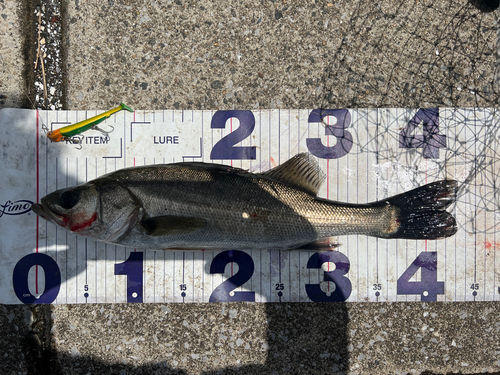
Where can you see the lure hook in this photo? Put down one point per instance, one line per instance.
(102, 131)
(75, 140)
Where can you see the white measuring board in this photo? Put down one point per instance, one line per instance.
(367, 155)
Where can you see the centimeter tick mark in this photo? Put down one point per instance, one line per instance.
(86, 294)
(280, 293)
(183, 294)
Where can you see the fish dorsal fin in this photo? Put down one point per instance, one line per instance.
(301, 171)
(170, 225)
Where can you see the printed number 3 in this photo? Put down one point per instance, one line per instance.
(344, 138)
(343, 286)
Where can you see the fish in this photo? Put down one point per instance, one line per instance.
(196, 205)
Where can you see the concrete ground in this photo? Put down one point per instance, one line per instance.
(252, 54)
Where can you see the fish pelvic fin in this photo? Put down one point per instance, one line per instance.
(422, 212)
(302, 171)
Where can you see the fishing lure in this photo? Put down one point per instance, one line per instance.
(68, 133)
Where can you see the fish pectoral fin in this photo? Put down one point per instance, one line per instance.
(301, 171)
(170, 225)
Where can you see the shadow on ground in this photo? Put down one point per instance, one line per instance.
(243, 338)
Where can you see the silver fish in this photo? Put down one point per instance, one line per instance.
(211, 206)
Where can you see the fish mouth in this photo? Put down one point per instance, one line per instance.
(45, 212)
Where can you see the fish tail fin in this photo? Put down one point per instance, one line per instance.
(422, 212)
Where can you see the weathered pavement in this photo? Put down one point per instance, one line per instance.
(249, 55)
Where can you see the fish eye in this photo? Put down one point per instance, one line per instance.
(69, 199)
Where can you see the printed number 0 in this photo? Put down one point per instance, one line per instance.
(52, 278)
(245, 272)
(225, 149)
(343, 286)
(344, 138)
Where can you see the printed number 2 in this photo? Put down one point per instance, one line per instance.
(431, 141)
(225, 149)
(344, 138)
(428, 287)
(245, 272)
(343, 286)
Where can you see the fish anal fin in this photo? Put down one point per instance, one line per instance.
(301, 171)
(170, 225)
(324, 244)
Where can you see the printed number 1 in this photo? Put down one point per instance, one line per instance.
(133, 268)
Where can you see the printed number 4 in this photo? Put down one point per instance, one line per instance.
(431, 141)
(428, 287)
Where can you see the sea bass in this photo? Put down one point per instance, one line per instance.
(194, 205)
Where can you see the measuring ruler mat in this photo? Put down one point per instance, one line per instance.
(366, 154)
